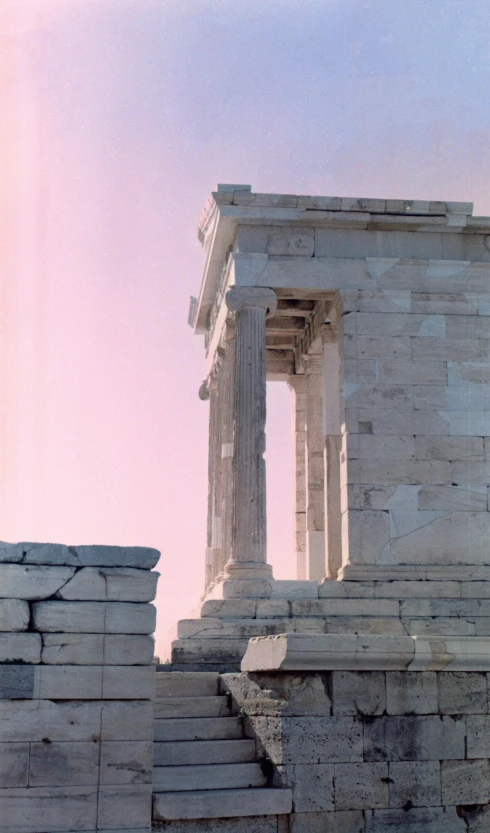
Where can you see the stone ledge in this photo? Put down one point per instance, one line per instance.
(352, 652)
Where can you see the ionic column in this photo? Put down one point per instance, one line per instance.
(315, 477)
(297, 385)
(227, 397)
(249, 543)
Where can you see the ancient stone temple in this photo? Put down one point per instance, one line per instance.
(353, 698)
(363, 682)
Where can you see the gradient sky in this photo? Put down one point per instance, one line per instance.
(118, 119)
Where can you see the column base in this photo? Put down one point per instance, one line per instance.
(243, 580)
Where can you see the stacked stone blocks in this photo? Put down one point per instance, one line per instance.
(76, 688)
(374, 752)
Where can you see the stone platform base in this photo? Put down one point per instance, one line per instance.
(218, 637)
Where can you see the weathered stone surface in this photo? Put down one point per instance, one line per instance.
(236, 628)
(124, 805)
(94, 617)
(119, 584)
(19, 647)
(453, 498)
(465, 782)
(359, 786)
(416, 820)
(455, 538)
(312, 786)
(359, 693)
(411, 692)
(214, 804)
(143, 558)
(19, 581)
(229, 608)
(351, 821)
(53, 554)
(35, 809)
(462, 693)
(248, 824)
(35, 720)
(127, 721)
(96, 649)
(293, 694)
(14, 615)
(16, 682)
(64, 763)
(309, 740)
(478, 736)
(14, 765)
(415, 783)
(12, 553)
(128, 683)
(126, 762)
(414, 739)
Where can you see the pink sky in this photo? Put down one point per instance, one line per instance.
(118, 120)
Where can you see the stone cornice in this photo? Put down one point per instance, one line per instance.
(357, 652)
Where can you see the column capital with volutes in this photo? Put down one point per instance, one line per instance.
(251, 296)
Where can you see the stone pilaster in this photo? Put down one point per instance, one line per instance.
(297, 385)
(249, 544)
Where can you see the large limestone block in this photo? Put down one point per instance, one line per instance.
(237, 628)
(14, 765)
(49, 554)
(462, 693)
(14, 615)
(20, 647)
(346, 607)
(94, 617)
(229, 608)
(124, 806)
(16, 682)
(96, 649)
(358, 693)
(385, 471)
(12, 553)
(19, 581)
(449, 448)
(126, 762)
(348, 821)
(247, 824)
(416, 820)
(94, 682)
(34, 720)
(401, 421)
(312, 786)
(465, 782)
(411, 692)
(456, 538)
(424, 738)
(128, 682)
(144, 558)
(309, 740)
(453, 498)
(213, 804)
(64, 763)
(415, 783)
(127, 721)
(478, 736)
(118, 584)
(50, 809)
(285, 694)
(361, 785)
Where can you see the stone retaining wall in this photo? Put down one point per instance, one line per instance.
(374, 752)
(76, 688)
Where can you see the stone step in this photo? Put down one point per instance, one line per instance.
(214, 804)
(207, 777)
(186, 683)
(170, 707)
(181, 753)
(245, 824)
(214, 651)
(198, 728)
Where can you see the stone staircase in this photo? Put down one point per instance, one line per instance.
(204, 767)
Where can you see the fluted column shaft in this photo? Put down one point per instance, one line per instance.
(297, 385)
(249, 546)
(227, 397)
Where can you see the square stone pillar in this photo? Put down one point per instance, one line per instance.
(333, 426)
(297, 385)
(315, 478)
